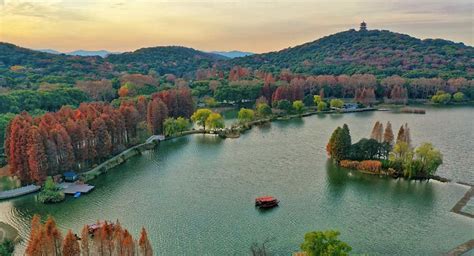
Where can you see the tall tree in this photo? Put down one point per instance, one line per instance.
(37, 158)
(157, 113)
(388, 134)
(102, 139)
(377, 132)
(53, 237)
(70, 245)
(85, 249)
(144, 243)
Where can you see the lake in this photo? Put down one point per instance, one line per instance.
(195, 195)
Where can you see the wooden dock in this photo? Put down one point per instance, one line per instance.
(73, 188)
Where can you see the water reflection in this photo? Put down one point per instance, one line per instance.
(340, 179)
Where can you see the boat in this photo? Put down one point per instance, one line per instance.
(266, 202)
(77, 194)
(96, 226)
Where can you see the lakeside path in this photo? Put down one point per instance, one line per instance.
(463, 201)
(19, 192)
(462, 248)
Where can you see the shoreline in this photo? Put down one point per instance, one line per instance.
(231, 133)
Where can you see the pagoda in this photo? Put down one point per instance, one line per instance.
(363, 26)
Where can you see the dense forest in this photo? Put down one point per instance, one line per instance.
(76, 139)
(123, 97)
(382, 53)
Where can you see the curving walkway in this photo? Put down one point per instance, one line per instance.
(461, 249)
(19, 191)
(463, 201)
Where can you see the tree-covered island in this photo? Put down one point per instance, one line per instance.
(382, 154)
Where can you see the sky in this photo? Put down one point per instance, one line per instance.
(247, 25)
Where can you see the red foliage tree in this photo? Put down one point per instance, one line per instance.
(156, 115)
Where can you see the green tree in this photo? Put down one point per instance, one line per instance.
(200, 116)
(7, 247)
(169, 126)
(284, 105)
(317, 99)
(441, 97)
(336, 103)
(429, 157)
(339, 144)
(174, 126)
(214, 121)
(182, 124)
(308, 100)
(246, 115)
(458, 97)
(298, 106)
(324, 243)
(322, 106)
(263, 110)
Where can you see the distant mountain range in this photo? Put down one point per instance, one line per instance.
(101, 53)
(104, 53)
(233, 54)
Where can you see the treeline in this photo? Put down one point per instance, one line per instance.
(107, 239)
(48, 100)
(249, 85)
(75, 139)
(382, 152)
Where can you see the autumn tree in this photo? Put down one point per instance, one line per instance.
(85, 241)
(156, 115)
(144, 243)
(377, 132)
(37, 158)
(388, 134)
(70, 245)
(102, 139)
(404, 135)
(53, 237)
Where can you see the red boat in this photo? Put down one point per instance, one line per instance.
(96, 226)
(266, 202)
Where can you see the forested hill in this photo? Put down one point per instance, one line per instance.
(21, 66)
(382, 53)
(166, 59)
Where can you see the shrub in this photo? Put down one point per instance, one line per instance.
(50, 193)
(7, 248)
(370, 165)
(349, 164)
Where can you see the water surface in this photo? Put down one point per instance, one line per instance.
(195, 194)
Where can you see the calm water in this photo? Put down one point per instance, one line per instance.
(195, 195)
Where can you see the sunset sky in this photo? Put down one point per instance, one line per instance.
(247, 25)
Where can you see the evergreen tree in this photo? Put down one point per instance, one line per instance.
(339, 144)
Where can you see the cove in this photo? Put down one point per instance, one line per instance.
(195, 194)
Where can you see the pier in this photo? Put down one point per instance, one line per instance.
(73, 188)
